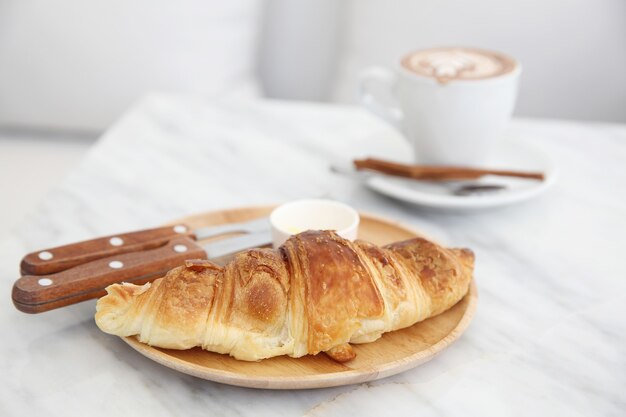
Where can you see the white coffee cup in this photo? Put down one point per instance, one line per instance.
(449, 119)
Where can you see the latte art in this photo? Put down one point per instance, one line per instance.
(447, 64)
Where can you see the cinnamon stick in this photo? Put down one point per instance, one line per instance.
(437, 173)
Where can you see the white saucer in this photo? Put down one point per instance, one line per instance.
(512, 154)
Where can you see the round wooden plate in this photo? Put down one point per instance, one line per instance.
(393, 353)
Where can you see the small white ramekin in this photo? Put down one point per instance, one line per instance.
(302, 215)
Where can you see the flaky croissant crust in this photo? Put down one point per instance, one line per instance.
(316, 293)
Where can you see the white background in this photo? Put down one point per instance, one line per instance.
(573, 51)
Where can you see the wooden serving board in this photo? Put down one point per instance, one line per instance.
(393, 353)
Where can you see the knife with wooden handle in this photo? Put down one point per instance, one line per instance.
(37, 293)
(61, 258)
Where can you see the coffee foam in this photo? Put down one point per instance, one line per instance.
(448, 64)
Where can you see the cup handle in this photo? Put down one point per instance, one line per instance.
(387, 80)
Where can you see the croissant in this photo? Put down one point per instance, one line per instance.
(316, 293)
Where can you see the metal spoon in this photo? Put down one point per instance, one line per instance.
(464, 190)
(478, 189)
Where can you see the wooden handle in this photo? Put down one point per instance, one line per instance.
(35, 294)
(61, 258)
(437, 173)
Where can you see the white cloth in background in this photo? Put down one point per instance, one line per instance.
(75, 64)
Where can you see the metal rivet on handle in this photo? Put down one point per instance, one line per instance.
(45, 255)
(116, 241)
(180, 228)
(116, 264)
(44, 282)
(180, 248)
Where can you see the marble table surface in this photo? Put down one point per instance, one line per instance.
(548, 338)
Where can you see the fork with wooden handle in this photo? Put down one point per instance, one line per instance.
(437, 173)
